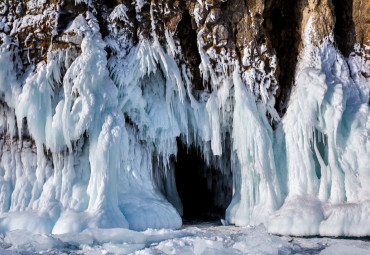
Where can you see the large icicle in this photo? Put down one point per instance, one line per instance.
(91, 106)
(257, 192)
(326, 136)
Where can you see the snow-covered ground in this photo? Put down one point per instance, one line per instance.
(204, 238)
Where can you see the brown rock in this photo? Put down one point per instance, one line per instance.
(213, 16)
(268, 29)
(220, 35)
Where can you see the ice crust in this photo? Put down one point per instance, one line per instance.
(196, 240)
(100, 133)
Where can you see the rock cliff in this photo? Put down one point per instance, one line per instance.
(250, 32)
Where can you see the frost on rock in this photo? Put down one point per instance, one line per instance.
(89, 141)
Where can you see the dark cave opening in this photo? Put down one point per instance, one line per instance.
(344, 30)
(205, 191)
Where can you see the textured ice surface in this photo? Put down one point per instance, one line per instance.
(206, 238)
(96, 135)
(327, 148)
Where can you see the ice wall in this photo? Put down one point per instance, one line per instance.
(326, 141)
(82, 137)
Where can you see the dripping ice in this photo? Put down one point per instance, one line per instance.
(97, 128)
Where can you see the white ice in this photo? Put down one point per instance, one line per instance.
(206, 238)
(100, 135)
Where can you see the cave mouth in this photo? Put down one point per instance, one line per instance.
(205, 191)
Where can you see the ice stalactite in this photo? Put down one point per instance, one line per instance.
(326, 138)
(257, 192)
(90, 105)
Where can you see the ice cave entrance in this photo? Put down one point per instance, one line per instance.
(205, 191)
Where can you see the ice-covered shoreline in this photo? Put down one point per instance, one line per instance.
(203, 238)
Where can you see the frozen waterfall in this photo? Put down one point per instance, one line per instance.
(91, 142)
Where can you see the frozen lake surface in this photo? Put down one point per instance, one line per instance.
(200, 238)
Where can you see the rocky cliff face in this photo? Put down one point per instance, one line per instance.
(98, 97)
(254, 33)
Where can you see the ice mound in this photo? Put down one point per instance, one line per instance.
(346, 220)
(299, 216)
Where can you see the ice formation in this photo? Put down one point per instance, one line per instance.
(90, 147)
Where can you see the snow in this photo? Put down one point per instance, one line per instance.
(119, 12)
(205, 238)
(101, 132)
(4, 8)
(344, 249)
(140, 4)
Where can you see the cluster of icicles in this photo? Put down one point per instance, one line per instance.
(98, 127)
